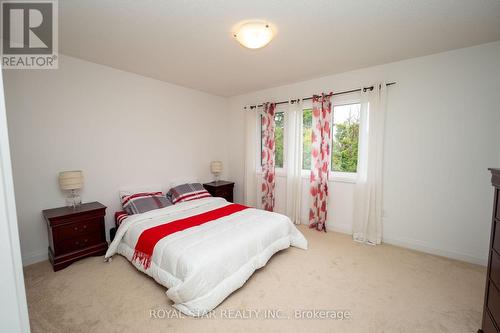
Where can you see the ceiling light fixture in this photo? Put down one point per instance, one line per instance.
(254, 34)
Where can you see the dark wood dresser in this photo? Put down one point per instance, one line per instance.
(75, 233)
(491, 310)
(221, 189)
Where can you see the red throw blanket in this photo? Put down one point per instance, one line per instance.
(149, 237)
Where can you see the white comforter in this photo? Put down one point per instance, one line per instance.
(203, 265)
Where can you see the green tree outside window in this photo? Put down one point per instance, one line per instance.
(279, 119)
(345, 137)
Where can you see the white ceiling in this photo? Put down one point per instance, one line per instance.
(189, 43)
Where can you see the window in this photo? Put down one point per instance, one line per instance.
(306, 138)
(345, 135)
(279, 131)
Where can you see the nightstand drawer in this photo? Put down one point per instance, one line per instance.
(495, 268)
(493, 300)
(74, 230)
(224, 193)
(78, 243)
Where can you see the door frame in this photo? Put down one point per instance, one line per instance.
(13, 305)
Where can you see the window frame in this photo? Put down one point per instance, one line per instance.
(334, 176)
(337, 176)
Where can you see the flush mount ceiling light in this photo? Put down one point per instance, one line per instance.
(254, 34)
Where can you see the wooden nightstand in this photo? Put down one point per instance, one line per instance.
(221, 189)
(75, 233)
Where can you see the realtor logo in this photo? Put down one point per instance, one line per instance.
(29, 35)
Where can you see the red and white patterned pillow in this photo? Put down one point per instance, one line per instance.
(187, 192)
(138, 203)
(119, 217)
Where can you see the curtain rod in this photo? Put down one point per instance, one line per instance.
(251, 107)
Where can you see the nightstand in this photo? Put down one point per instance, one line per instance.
(221, 189)
(75, 233)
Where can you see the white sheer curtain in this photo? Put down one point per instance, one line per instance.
(367, 226)
(293, 146)
(251, 145)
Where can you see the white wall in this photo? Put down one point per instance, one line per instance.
(441, 136)
(121, 129)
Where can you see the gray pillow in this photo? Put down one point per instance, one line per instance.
(187, 192)
(139, 203)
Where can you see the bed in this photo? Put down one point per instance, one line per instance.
(204, 264)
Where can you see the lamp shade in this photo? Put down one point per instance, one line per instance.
(216, 167)
(71, 180)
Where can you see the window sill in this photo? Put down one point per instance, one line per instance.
(350, 180)
(336, 177)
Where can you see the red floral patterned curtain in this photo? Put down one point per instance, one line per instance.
(320, 160)
(268, 148)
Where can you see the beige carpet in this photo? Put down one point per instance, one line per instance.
(385, 288)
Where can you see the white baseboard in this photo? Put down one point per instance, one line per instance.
(426, 248)
(34, 257)
(340, 229)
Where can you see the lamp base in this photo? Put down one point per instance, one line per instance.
(74, 200)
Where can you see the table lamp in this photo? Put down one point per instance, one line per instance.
(216, 169)
(71, 181)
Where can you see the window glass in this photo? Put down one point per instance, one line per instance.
(345, 137)
(306, 139)
(279, 131)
